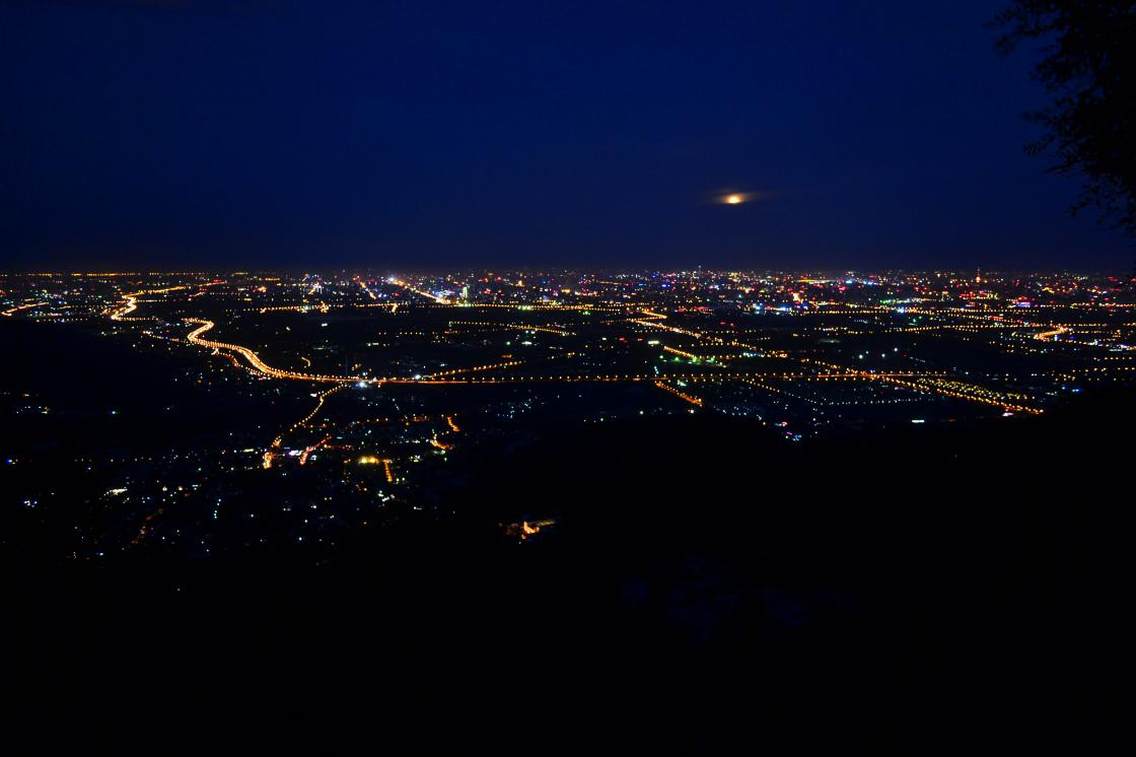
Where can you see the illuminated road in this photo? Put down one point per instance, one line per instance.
(696, 401)
(271, 453)
(130, 301)
(254, 361)
(513, 326)
(445, 378)
(26, 306)
(420, 292)
(1053, 334)
(939, 384)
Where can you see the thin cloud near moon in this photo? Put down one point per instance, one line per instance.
(738, 197)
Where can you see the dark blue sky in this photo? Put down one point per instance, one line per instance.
(390, 134)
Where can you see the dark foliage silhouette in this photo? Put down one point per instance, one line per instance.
(1087, 64)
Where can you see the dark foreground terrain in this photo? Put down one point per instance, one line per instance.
(705, 588)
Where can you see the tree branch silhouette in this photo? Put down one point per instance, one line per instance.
(1088, 59)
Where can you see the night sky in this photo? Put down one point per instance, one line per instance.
(279, 133)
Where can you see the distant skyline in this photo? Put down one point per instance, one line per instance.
(396, 135)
